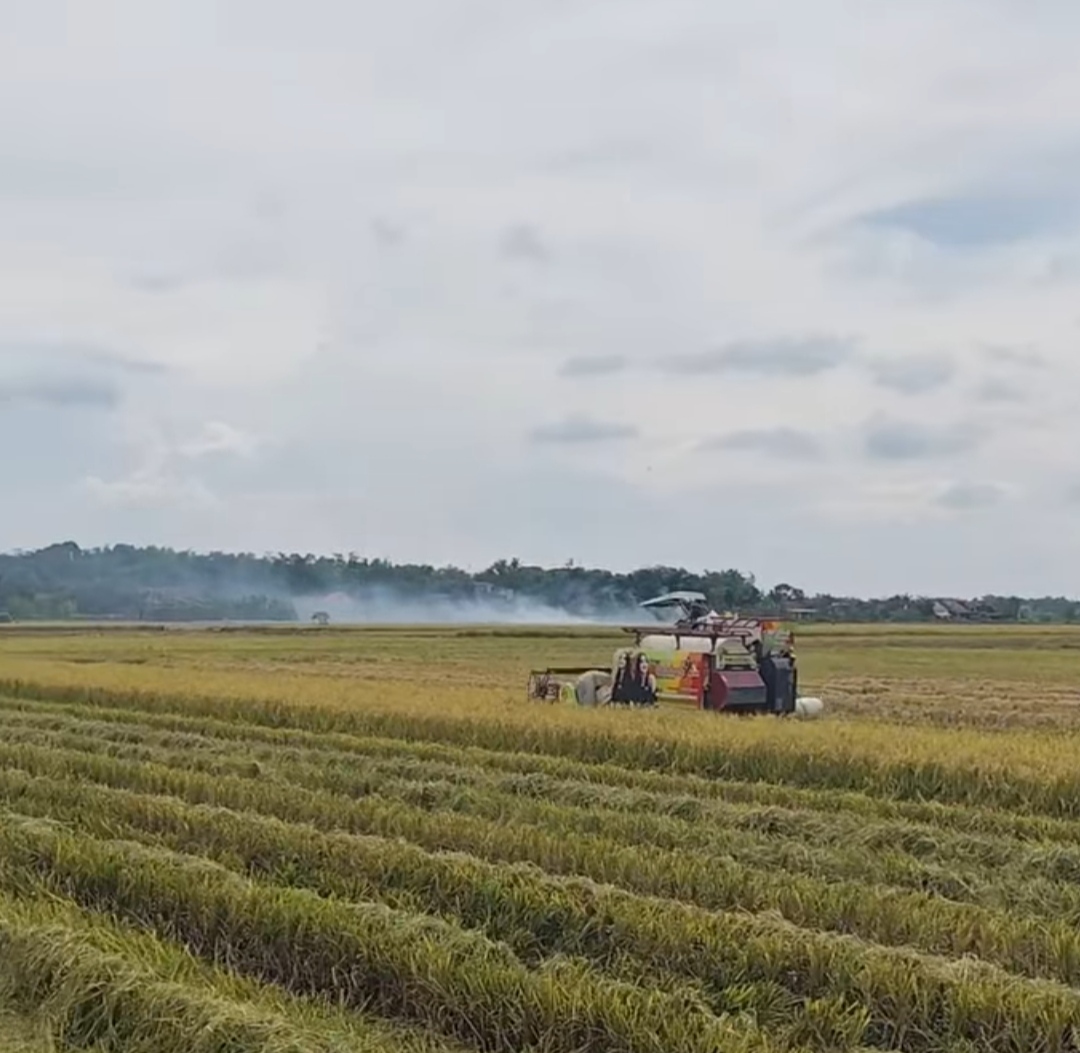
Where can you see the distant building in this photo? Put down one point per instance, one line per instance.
(965, 611)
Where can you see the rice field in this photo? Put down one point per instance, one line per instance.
(230, 841)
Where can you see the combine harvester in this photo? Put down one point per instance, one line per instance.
(719, 663)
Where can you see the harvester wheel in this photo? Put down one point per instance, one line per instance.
(542, 688)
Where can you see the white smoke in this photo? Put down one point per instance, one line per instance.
(390, 607)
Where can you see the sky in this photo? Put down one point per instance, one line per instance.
(786, 287)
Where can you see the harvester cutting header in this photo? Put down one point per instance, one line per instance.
(710, 661)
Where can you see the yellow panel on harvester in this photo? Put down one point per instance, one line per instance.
(680, 666)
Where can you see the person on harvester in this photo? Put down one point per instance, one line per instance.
(622, 686)
(644, 683)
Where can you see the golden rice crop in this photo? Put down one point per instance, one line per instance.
(1036, 773)
(378, 821)
(362, 955)
(996, 872)
(467, 986)
(536, 913)
(1037, 947)
(78, 982)
(970, 818)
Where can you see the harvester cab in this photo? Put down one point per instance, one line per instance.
(705, 660)
(694, 606)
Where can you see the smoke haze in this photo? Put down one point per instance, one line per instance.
(389, 607)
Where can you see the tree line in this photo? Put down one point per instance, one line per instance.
(65, 581)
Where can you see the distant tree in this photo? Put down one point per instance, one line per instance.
(161, 584)
(784, 594)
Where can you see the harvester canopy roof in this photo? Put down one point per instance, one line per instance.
(676, 599)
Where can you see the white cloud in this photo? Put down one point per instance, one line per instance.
(970, 496)
(217, 437)
(162, 469)
(149, 491)
(379, 251)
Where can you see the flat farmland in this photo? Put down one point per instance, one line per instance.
(368, 840)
